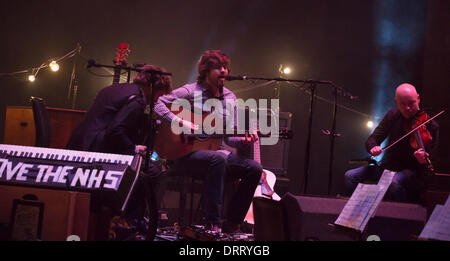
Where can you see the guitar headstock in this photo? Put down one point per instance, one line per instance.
(122, 52)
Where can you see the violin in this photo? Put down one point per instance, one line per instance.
(420, 132)
(421, 137)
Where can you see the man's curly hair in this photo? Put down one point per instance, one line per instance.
(157, 81)
(212, 59)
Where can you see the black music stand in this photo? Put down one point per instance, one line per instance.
(354, 235)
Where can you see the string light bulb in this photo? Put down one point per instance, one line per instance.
(284, 70)
(54, 66)
(370, 124)
(31, 78)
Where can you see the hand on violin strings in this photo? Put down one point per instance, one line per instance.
(420, 155)
(375, 151)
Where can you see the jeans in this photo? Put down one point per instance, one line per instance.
(214, 168)
(405, 186)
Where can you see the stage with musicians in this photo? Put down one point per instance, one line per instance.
(251, 122)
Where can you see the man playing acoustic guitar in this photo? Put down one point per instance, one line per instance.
(215, 166)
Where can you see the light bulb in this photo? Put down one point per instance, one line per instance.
(54, 66)
(287, 70)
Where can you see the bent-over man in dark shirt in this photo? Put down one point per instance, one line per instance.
(116, 123)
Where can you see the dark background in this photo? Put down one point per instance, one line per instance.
(366, 47)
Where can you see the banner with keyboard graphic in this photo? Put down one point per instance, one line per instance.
(67, 169)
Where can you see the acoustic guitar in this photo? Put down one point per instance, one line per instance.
(266, 184)
(171, 146)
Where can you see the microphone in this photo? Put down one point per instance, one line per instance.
(137, 65)
(91, 63)
(235, 77)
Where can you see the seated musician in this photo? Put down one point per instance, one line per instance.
(215, 166)
(115, 123)
(408, 162)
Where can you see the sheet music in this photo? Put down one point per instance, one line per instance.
(357, 209)
(438, 225)
(386, 179)
(383, 184)
(364, 202)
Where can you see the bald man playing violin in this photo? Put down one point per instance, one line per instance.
(407, 161)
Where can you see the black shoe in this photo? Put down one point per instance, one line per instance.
(231, 228)
(247, 228)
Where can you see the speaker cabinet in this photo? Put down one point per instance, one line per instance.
(275, 157)
(269, 220)
(65, 213)
(397, 221)
(307, 218)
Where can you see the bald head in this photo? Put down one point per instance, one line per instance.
(405, 90)
(407, 100)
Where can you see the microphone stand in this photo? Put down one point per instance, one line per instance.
(279, 79)
(150, 133)
(336, 92)
(313, 84)
(333, 136)
(92, 63)
(308, 139)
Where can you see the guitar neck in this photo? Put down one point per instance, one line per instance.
(116, 77)
(256, 152)
(121, 59)
(235, 133)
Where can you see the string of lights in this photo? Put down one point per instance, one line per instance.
(283, 70)
(52, 64)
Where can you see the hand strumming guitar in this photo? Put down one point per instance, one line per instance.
(187, 124)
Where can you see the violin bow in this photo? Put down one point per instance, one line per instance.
(413, 130)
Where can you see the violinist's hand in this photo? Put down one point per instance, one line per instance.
(250, 138)
(420, 155)
(140, 149)
(375, 151)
